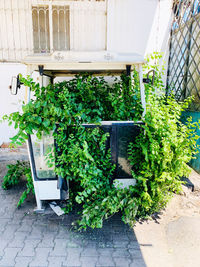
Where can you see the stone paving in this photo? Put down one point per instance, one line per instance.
(46, 240)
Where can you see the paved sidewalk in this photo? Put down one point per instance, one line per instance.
(172, 239)
(41, 240)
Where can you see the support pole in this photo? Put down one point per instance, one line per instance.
(39, 207)
(142, 91)
(41, 72)
(128, 70)
(128, 84)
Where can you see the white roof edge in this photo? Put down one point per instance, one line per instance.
(76, 58)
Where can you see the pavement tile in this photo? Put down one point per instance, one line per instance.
(53, 227)
(25, 228)
(121, 252)
(46, 242)
(132, 237)
(22, 261)
(16, 243)
(101, 245)
(134, 245)
(91, 252)
(8, 258)
(63, 232)
(9, 213)
(120, 244)
(18, 240)
(3, 245)
(56, 261)
(33, 236)
(73, 258)
(29, 248)
(37, 232)
(74, 244)
(107, 237)
(120, 237)
(67, 221)
(88, 261)
(109, 244)
(139, 263)
(135, 253)
(122, 262)
(3, 223)
(9, 232)
(74, 251)
(118, 229)
(27, 221)
(105, 261)
(41, 257)
(91, 243)
(105, 251)
(60, 248)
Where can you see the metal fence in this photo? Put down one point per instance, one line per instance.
(184, 59)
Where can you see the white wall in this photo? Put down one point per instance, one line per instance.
(9, 103)
(143, 29)
(132, 26)
(15, 29)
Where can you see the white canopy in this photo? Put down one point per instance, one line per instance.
(59, 63)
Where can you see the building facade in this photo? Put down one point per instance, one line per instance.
(45, 27)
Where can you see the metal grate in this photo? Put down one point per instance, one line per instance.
(40, 16)
(184, 60)
(61, 31)
(78, 26)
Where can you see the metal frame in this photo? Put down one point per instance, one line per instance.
(112, 127)
(97, 63)
(36, 178)
(183, 77)
(40, 185)
(115, 144)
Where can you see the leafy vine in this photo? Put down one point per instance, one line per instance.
(159, 155)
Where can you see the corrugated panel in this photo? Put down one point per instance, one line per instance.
(67, 25)
(88, 27)
(15, 31)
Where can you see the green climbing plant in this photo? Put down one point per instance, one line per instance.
(161, 153)
(158, 156)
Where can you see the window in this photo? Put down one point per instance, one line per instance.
(77, 26)
(40, 17)
(61, 31)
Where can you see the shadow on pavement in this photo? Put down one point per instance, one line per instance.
(30, 239)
